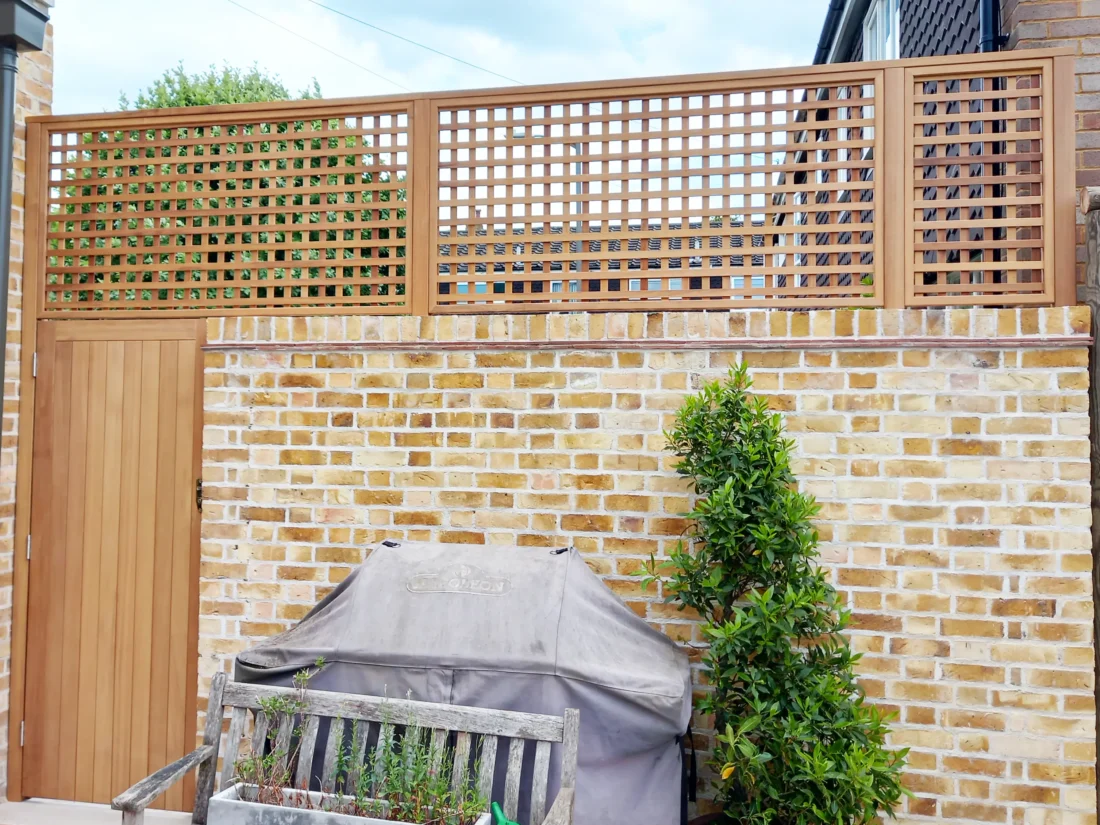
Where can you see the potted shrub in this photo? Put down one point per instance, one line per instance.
(404, 780)
(797, 744)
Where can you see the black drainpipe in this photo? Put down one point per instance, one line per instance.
(989, 17)
(22, 28)
(8, 69)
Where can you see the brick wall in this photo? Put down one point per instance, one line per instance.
(34, 96)
(953, 478)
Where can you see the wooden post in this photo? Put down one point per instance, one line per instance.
(418, 280)
(570, 747)
(36, 186)
(897, 171)
(212, 734)
(1090, 205)
(1063, 185)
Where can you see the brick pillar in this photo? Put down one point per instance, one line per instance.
(1035, 24)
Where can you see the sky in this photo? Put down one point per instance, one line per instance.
(106, 47)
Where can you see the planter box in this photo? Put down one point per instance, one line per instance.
(228, 808)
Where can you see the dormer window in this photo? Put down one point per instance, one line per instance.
(880, 30)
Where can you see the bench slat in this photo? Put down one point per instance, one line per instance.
(233, 745)
(385, 743)
(414, 737)
(259, 733)
(487, 767)
(511, 780)
(282, 741)
(305, 752)
(540, 778)
(570, 742)
(461, 763)
(332, 750)
(438, 749)
(561, 812)
(360, 732)
(403, 712)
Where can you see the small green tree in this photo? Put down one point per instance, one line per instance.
(797, 744)
(225, 85)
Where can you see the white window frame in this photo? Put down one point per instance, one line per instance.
(881, 30)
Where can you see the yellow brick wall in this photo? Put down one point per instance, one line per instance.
(953, 474)
(34, 96)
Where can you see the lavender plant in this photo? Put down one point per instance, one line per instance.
(405, 777)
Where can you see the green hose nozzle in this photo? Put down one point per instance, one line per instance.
(498, 815)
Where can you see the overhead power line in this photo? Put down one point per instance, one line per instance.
(320, 46)
(413, 42)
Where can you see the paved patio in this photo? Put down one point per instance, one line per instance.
(51, 812)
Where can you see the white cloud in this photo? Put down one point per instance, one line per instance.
(103, 47)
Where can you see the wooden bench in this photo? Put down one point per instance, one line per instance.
(460, 731)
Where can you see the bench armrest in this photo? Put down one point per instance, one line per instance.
(561, 812)
(137, 799)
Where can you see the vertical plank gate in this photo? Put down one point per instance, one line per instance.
(113, 603)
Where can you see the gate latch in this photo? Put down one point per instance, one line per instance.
(198, 493)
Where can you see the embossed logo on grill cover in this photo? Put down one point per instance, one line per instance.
(459, 578)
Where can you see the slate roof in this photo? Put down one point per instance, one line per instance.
(936, 27)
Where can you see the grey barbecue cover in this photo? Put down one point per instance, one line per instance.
(512, 628)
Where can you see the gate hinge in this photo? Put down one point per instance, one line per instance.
(22, 731)
(28, 546)
(34, 365)
(198, 493)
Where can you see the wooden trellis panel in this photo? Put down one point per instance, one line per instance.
(980, 218)
(714, 195)
(931, 182)
(293, 210)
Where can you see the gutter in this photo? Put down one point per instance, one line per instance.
(843, 26)
(828, 31)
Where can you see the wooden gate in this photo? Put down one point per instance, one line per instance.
(113, 607)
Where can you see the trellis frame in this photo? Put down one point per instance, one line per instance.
(1051, 188)
(890, 245)
(204, 118)
(726, 85)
